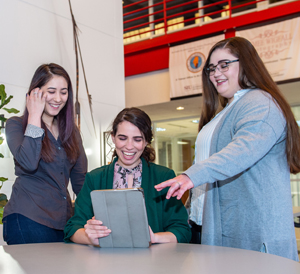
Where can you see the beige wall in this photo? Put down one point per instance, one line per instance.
(147, 89)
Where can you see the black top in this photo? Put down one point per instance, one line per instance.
(40, 189)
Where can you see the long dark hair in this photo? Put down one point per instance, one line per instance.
(252, 73)
(142, 121)
(68, 132)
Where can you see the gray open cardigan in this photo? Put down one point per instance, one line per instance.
(248, 200)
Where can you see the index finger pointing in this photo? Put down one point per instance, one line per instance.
(173, 190)
(165, 184)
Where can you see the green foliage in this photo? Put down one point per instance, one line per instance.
(1, 214)
(11, 110)
(4, 100)
(3, 202)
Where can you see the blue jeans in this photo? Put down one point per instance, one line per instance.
(18, 229)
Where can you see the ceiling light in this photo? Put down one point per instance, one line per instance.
(160, 129)
(182, 143)
(195, 121)
(180, 108)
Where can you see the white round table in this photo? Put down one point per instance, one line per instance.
(61, 258)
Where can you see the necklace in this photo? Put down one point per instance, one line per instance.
(53, 131)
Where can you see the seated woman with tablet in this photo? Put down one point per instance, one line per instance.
(131, 167)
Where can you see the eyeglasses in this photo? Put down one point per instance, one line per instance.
(222, 66)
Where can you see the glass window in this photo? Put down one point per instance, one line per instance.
(174, 143)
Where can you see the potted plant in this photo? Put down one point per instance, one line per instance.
(3, 102)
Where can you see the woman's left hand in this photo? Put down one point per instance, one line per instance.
(178, 186)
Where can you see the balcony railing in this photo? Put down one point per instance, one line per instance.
(147, 19)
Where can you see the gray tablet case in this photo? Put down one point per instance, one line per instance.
(124, 212)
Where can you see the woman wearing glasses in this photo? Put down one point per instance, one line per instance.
(245, 154)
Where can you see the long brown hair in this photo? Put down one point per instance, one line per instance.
(142, 121)
(252, 73)
(68, 131)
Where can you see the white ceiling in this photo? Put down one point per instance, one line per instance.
(184, 128)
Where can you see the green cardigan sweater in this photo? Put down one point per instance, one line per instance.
(163, 215)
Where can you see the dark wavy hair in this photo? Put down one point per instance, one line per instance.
(142, 121)
(68, 131)
(252, 73)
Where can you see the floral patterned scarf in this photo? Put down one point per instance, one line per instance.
(122, 174)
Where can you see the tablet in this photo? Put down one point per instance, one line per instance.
(124, 212)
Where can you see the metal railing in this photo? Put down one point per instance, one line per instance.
(147, 19)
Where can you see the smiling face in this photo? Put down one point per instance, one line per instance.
(56, 91)
(226, 83)
(130, 144)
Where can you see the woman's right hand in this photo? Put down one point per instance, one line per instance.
(178, 186)
(35, 103)
(95, 230)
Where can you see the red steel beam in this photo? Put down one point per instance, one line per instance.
(156, 59)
